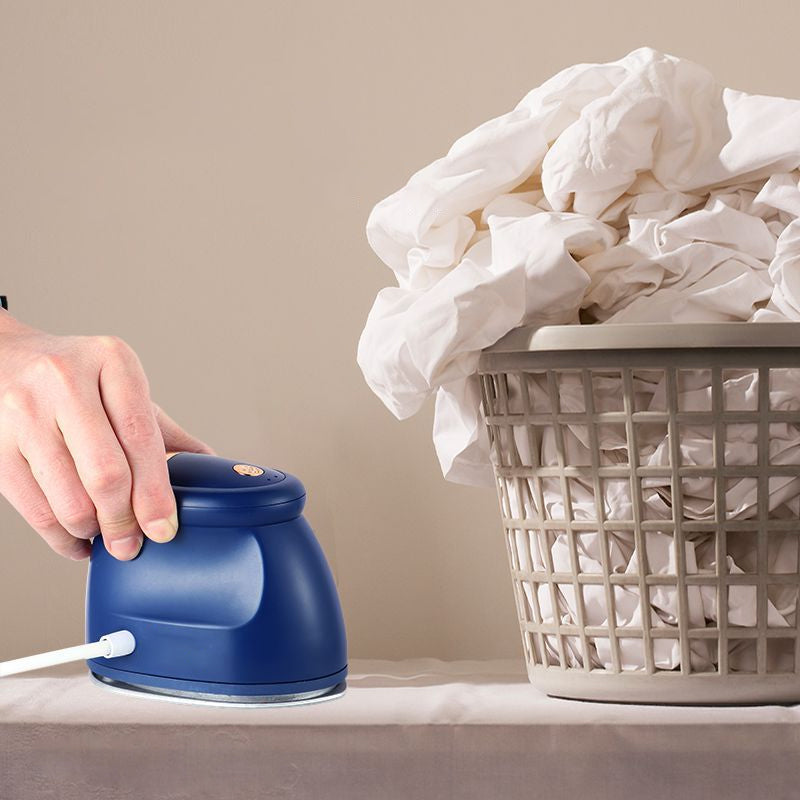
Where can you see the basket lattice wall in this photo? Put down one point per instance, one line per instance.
(645, 568)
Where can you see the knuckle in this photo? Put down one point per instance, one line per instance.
(112, 346)
(138, 427)
(108, 476)
(50, 365)
(153, 493)
(79, 516)
(47, 371)
(18, 401)
(154, 502)
(41, 517)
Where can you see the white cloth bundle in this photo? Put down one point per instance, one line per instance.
(638, 190)
(634, 191)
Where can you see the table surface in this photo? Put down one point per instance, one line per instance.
(410, 729)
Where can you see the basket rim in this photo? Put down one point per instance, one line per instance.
(649, 336)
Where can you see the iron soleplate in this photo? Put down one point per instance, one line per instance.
(224, 701)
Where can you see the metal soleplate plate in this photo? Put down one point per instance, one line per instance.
(222, 701)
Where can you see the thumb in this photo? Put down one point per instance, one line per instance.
(176, 438)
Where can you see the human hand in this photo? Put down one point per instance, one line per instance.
(82, 445)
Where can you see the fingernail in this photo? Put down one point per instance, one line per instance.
(127, 548)
(162, 530)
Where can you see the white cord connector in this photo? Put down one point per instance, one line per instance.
(113, 645)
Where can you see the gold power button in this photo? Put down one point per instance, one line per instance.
(248, 469)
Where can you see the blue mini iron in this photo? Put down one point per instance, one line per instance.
(240, 607)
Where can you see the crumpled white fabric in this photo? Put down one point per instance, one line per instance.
(638, 190)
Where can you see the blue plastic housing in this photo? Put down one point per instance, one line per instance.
(241, 602)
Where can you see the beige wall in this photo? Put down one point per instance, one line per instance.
(195, 177)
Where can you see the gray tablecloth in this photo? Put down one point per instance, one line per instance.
(410, 729)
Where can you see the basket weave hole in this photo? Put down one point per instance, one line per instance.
(612, 442)
(697, 500)
(741, 497)
(649, 390)
(740, 389)
(784, 443)
(631, 651)
(584, 503)
(573, 651)
(617, 503)
(741, 549)
(784, 389)
(781, 606)
(741, 444)
(656, 498)
(703, 655)
(782, 553)
(694, 390)
(608, 391)
(518, 498)
(742, 655)
(538, 394)
(696, 445)
(652, 443)
(780, 655)
(571, 398)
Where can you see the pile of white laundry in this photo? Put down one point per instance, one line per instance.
(634, 191)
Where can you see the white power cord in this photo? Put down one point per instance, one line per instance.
(113, 645)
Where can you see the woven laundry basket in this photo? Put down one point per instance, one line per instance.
(553, 398)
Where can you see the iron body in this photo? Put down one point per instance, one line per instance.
(239, 608)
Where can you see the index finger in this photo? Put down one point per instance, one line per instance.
(125, 395)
